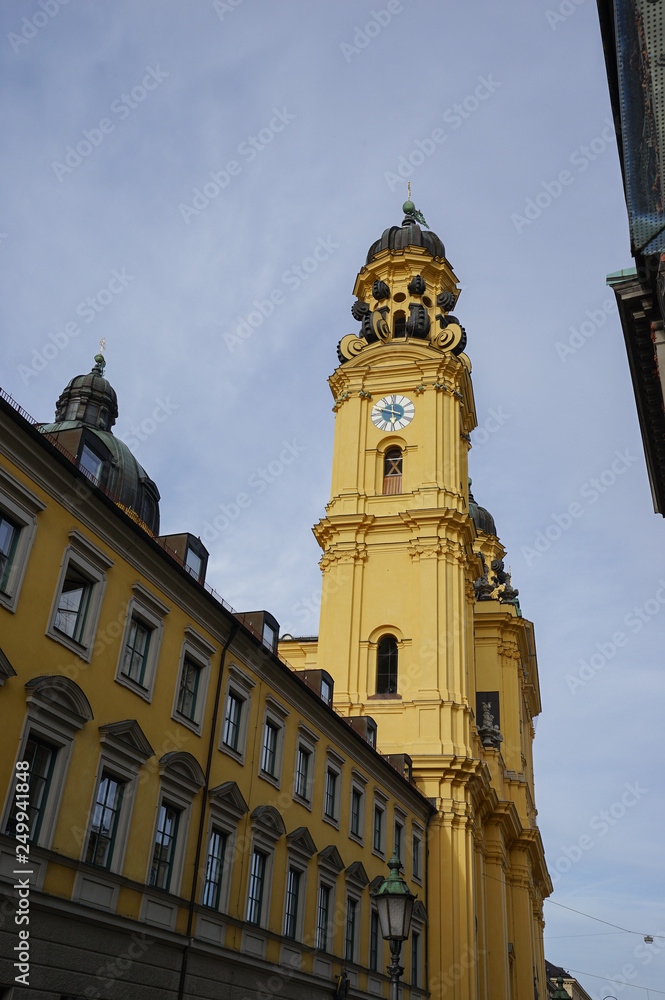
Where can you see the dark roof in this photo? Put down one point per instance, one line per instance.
(409, 234)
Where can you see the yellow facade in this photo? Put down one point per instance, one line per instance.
(99, 925)
(402, 565)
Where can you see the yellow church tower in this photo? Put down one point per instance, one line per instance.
(420, 627)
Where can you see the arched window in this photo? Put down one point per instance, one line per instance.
(399, 328)
(386, 665)
(392, 471)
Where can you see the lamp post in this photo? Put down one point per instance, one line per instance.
(394, 903)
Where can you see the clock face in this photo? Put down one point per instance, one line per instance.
(392, 413)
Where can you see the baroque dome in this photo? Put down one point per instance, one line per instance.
(409, 234)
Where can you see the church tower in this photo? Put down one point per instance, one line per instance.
(420, 627)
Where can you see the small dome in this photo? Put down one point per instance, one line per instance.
(85, 412)
(482, 518)
(89, 398)
(409, 234)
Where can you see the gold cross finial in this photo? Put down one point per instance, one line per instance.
(102, 343)
(409, 186)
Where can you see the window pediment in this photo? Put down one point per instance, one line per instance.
(183, 769)
(331, 859)
(60, 699)
(356, 873)
(270, 821)
(127, 738)
(229, 797)
(301, 841)
(6, 669)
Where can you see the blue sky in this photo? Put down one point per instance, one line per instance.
(292, 121)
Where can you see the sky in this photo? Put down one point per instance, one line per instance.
(198, 183)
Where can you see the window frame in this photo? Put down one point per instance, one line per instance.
(181, 779)
(399, 823)
(390, 477)
(197, 650)
(387, 689)
(358, 784)
(57, 709)
(380, 805)
(274, 716)
(91, 563)
(330, 909)
(334, 765)
(108, 776)
(417, 945)
(20, 506)
(306, 742)
(417, 837)
(165, 805)
(217, 883)
(353, 908)
(227, 807)
(375, 956)
(145, 607)
(124, 750)
(239, 684)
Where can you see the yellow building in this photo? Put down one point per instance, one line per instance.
(420, 626)
(194, 815)
(187, 816)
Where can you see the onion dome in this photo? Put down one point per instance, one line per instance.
(482, 518)
(85, 413)
(409, 234)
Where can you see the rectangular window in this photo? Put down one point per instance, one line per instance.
(136, 651)
(399, 840)
(104, 821)
(193, 563)
(326, 691)
(378, 829)
(165, 840)
(189, 686)
(416, 857)
(257, 877)
(331, 794)
(292, 899)
(356, 803)
(41, 758)
(302, 772)
(91, 462)
(350, 930)
(9, 532)
(415, 958)
(232, 720)
(269, 749)
(322, 917)
(214, 868)
(374, 938)
(73, 604)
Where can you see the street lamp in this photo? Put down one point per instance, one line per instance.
(394, 904)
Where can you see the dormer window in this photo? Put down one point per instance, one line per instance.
(91, 462)
(193, 562)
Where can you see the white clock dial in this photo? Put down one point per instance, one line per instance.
(392, 413)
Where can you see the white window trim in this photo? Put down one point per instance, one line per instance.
(122, 760)
(306, 740)
(150, 610)
(355, 896)
(22, 506)
(265, 841)
(93, 563)
(417, 833)
(224, 817)
(56, 724)
(399, 818)
(239, 684)
(178, 792)
(275, 714)
(295, 862)
(358, 783)
(333, 763)
(380, 802)
(199, 650)
(330, 883)
(418, 928)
